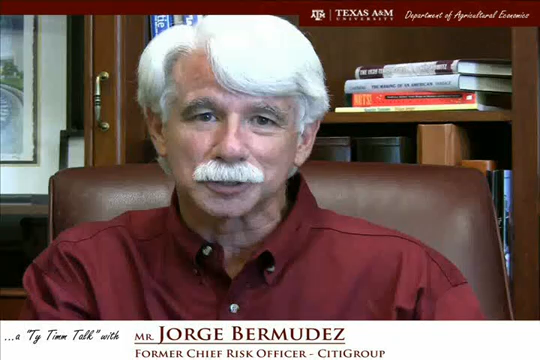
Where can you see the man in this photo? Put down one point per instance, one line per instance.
(233, 107)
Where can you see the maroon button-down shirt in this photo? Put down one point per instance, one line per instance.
(315, 265)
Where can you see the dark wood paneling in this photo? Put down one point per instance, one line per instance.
(525, 157)
(107, 144)
(88, 90)
(114, 44)
(75, 68)
(343, 49)
(133, 41)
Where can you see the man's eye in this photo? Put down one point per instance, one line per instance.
(263, 121)
(205, 117)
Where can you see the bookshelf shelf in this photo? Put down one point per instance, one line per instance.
(418, 117)
(24, 209)
(12, 293)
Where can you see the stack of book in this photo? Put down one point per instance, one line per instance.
(483, 85)
(160, 23)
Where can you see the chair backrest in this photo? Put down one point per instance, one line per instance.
(448, 208)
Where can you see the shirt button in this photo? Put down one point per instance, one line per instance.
(271, 269)
(233, 308)
(207, 250)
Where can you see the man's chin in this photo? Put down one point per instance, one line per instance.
(227, 211)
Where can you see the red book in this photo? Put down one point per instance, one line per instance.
(364, 100)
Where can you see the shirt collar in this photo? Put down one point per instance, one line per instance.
(278, 248)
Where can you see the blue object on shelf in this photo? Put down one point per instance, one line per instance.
(160, 23)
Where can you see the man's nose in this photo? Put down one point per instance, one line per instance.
(231, 145)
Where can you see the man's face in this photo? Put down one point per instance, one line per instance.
(209, 123)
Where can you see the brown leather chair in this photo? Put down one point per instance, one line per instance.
(450, 209)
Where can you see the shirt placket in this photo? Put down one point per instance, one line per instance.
(212, 277)
(235, 304)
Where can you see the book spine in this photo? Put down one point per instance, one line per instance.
(410, 98)
(426, 68)
(502, 201)
(404, 84)
(508, 220)
(408, 108)
(160, 23)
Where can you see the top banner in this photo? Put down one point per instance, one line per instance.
(310, 13)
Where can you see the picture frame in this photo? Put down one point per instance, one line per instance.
(18, 89)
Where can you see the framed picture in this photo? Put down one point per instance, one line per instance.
(18, 89)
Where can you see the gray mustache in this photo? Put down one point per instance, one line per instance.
(215, 170)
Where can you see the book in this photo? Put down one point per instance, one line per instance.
(442, 144)
(443, 107)
(478, 67)
(503, 203)
(484, 166)
(483, 100)
(455, 82)
(160, 23)
(332, 149)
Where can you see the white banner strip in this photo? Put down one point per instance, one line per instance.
(118, 340)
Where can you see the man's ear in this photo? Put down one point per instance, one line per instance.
(305, 143)
(156, 130)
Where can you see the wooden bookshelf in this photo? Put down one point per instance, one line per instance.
(509, 137)
(12, 293)
(526, 167)
(418, 117)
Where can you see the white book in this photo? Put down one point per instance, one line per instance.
(478, 67)
(454, 82)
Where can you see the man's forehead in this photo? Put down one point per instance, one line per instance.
(195, 79)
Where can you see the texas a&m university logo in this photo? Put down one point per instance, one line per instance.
(318, 15)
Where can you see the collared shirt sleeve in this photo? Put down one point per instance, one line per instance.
(447, 295)
(458, 303)
(56, 289)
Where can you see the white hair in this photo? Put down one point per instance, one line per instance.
(258, 55)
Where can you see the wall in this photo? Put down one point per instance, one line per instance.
(51, 107)
(75, 152)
